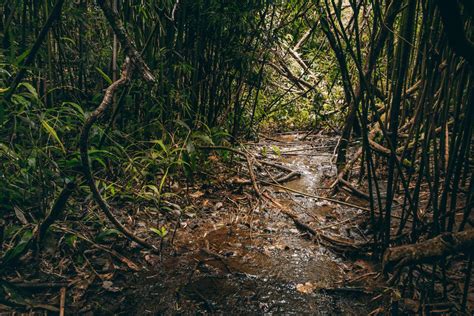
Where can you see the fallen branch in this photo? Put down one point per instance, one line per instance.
(348, 167)
(290, 175)
(339, 245)
(62, 301)
(347, 185)
(41, 285)
(429, 250)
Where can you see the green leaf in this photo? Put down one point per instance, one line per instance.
(19, 249)
(104, 75)
(161, 144)
(204, 138)
(76, 107)
(71, 240)
(156, 231)
(30, 89)
(162, 232)
(276, 150)
(106, 233)
(53, 134)
(20, 58)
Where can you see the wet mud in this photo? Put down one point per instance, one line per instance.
(241, 257)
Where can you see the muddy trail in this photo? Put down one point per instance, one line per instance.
(233, 253)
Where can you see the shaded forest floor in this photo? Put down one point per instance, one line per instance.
(225, 249)
(240, 255)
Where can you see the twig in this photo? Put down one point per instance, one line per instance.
(62, 301)
(252, 175)
(40, 285)
(249, 164)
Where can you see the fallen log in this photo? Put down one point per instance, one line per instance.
(429, 250)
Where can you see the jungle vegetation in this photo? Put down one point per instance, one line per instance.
(105, 103)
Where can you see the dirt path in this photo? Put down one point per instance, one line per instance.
(236, 255)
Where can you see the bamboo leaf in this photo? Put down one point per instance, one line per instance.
(104, 75)
(53, 134)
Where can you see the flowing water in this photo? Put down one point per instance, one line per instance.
(250, 259)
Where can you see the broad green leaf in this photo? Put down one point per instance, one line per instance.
(276, 150)
(162, 232)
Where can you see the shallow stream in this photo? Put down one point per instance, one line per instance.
(250, 259)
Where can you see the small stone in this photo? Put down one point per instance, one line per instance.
(109, 286)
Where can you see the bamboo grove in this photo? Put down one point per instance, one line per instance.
(394, 79)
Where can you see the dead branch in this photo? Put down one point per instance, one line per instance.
(339, 245)
(428, 250)
(317, 196)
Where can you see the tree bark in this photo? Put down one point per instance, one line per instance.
(429, 250)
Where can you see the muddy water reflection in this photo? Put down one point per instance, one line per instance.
(262, 259)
